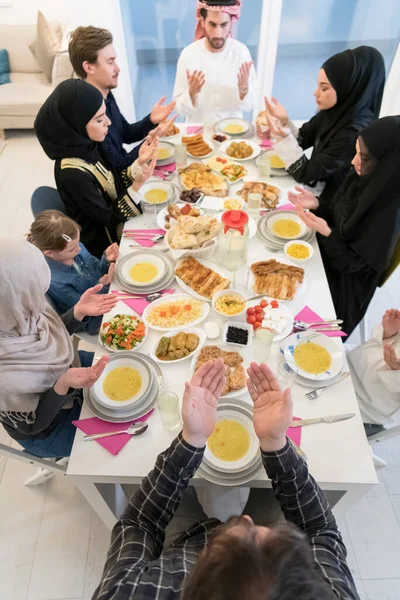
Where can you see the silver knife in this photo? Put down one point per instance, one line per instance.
(332, 419)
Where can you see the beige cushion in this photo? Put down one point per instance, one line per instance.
(24, 95)
(62, 68)
(46, 46)
(16, 39)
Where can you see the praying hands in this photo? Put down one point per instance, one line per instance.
(313, 222)
(243, 78)
(196, 82)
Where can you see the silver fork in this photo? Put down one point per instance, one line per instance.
(314, 394)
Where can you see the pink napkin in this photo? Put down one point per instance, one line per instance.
(284, 207)
(267, 144)
(143, 242)
(138, 305)
(194, 129)
(309, 316)
(115, 443)
(162, 172)
(294, 433)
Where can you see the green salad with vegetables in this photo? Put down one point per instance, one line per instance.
(122, 332)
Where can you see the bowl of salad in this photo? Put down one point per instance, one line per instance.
(122, 332)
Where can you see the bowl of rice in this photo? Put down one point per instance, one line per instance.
(298, 251)
(229, 303)
(178, 311)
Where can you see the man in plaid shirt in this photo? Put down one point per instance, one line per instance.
(303, 558)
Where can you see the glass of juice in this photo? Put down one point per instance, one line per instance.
(169, 410)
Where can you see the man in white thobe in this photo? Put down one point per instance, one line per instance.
(375, 370)
(215, 76)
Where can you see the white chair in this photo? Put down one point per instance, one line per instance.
(47, 467)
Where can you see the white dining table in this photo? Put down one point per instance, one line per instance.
(338, 454)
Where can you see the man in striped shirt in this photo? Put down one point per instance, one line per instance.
(302, 558)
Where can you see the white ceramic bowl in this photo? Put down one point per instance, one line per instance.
(234, 415)
(289, 217)
(171, 154)
(156, 184)
(146, 331)
(245, 327)
(301, 243)
(229, 292)
(305, 337)
(142, 258)
(145, 374)
(197, 331)
(245, 125)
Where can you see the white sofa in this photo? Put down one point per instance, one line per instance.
(21, 99)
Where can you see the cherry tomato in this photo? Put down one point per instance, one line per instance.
(251, 319)
(260, 315)
(258, 309)
(251, 311)
(263, 303)
(275, 304)
(257, 325)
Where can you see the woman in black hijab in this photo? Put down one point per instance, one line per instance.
(349, 96)
(70, 126)
(364, 223)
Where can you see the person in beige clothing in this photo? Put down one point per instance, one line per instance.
(375, 369)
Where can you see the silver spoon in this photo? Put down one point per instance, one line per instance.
(134, 429)
(148, 297)
(332, 324)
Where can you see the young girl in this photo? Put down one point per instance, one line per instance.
(73, 269)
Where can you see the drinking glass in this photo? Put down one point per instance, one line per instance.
(240, 279)
(262, 344)
(287, 373)
(253, 206)
(150, 214)
(208, 128)
(169, 411)
(180, 155)
(264, 167)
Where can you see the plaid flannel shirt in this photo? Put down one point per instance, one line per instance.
(136, 565)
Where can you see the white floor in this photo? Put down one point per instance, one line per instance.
(52, 545)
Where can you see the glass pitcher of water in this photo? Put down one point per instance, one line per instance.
(234, 239)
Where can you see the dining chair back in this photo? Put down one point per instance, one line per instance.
(46, 198)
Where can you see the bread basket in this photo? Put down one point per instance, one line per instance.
(205, 252)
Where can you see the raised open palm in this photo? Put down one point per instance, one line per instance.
(304, 198)
(391, 322)
(273, 407)
(199, 406)
(277, 110)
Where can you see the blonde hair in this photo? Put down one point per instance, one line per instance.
(52, 230)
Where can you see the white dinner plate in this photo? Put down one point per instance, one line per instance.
(173, 298)
(163, 213)
(206, 263)
(301, 287)
(255, 146)
(244, 352)
(212, 203)
(320, 339)
(199, 332)
(282, 313)
(155, 183)
(171, 153)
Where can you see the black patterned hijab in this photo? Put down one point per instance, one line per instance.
(367, 206)
(358, 77)
(60, 125)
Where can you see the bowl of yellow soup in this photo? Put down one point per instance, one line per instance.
(232, 446)
(286, 226)
(125, 381)
(157, 192)
(229, 303)
(143, 269)
(315, 355)
(298, 251)
(233, 127)
(165, 154)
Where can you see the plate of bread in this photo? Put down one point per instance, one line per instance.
(201, 278)
(197, 146)
(202, 177)
(196, 236)
(277, 280)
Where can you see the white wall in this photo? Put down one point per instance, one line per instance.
(71, 13)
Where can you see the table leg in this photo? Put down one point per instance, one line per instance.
(348, 499)
(107, 500)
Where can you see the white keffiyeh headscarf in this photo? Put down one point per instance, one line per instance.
(35, 347)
